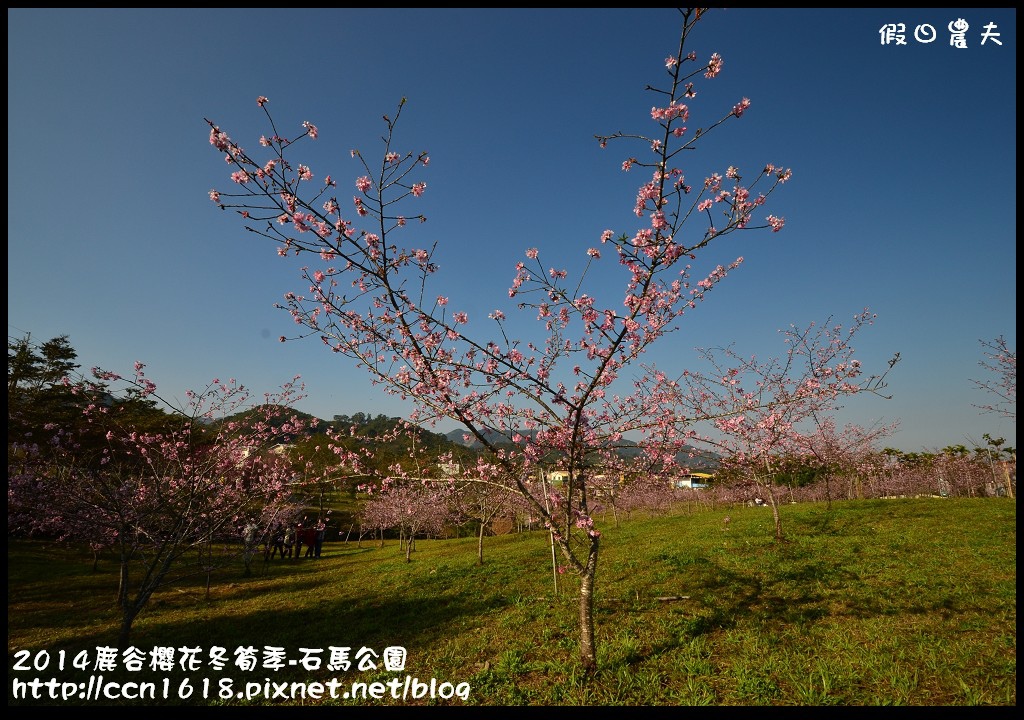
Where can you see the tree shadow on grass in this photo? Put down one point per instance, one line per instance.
(289, 603)
(791, 591)
(326, 621)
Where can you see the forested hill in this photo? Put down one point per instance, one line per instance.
(628, 449)
(361, 425)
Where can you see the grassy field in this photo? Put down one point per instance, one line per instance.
(878, 602)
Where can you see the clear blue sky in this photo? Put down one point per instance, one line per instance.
(903, 198)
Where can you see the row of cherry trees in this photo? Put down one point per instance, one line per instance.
(765, 454)
(171, 493)
(835, 467)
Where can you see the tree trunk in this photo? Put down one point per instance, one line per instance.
(480, 545)
(410, 541)
(588, 648)
(128, 615)
(122, 582)
(775, 512)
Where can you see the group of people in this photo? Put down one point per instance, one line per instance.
(288, 540)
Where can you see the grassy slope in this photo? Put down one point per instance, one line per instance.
(883, 602)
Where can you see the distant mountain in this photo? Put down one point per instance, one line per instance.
(279, 416)
(458, 436)
(369, 427)
(702, 459)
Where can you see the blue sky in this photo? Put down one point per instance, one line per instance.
(903, 197)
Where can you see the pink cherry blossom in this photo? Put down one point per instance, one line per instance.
(714, 66)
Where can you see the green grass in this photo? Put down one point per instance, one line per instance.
(881, 602)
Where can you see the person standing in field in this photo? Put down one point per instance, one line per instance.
(308, 536)
(277, 542)
(289, 541)
(320, 530)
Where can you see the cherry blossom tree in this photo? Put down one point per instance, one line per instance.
(413, 507)
(1001, 362)
(993, 454)
(369, 297)
(763, 411)
(953, 471)
(153, 496)
(481, 502)
(850, 453)
(377, 516)
(651, 493)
